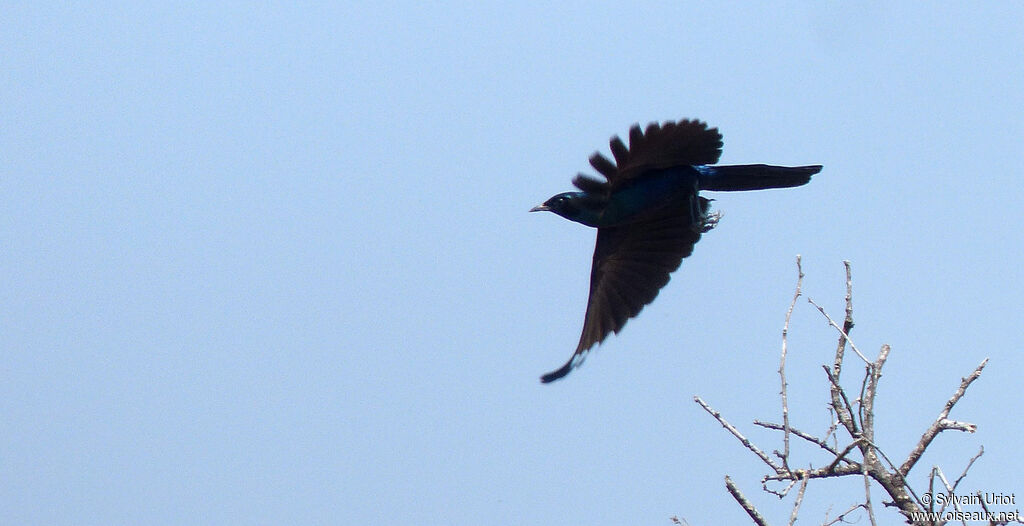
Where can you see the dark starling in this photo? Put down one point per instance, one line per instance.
(648, 216)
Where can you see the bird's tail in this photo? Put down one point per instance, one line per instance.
(754, 177)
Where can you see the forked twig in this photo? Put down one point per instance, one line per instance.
(942, 422)
(875, 465)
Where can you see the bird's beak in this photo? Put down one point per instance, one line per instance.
(540, 208)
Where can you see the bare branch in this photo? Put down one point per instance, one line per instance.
(847, 322)
(832, 427)
(782, 365)
(988, 512)
(806, 436)
(868, 400)
(981, 451)
(840, 329)
(736, 433)
(891, 481)
(799, 500)
(860, 397)
(780, 494)
(842, 516)
(820, 473)
(951, 488)
(949, 491)
(842, 456)
(931, 489)
(938, 426)
(841, 405)
(867, 493)
(958, 426)
(744, 503)
(874, 466)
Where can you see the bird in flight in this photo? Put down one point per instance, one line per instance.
(649, 214)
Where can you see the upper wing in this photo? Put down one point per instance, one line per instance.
(687, 142)
(631, 264)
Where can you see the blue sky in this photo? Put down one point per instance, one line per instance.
(272, 264)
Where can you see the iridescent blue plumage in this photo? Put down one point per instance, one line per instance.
(648, 216)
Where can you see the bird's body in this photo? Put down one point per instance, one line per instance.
(631, 202)
(648, 216)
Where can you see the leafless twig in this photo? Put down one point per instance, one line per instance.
(842, 331)
(801, 434)
(736, 433)
(782, 365)
(799, 500)
(875, 467)
(942, 422)
(744, 503)
(842, 516)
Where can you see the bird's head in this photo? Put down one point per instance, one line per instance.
(567, 205)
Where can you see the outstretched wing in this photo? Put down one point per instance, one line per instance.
(631, 264)
(687, 142)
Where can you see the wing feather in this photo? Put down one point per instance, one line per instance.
(603, 166)
(687, 142)
(590, 184)
(619, 150)
(631, 265)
